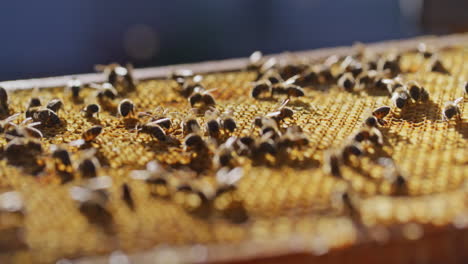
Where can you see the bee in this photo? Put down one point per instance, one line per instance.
(202, 98)
(127, 196)
(371, 121)
(213, 127)
(154, 130)
(268, 125)
(7, 122)
(227, 121)
(288, 88)
(22, 148)
(371, 134)
(226, 201)
(351, 65)
(88, 136)
(272, 76)
(417, 92)
(224, 153)
(424, 50)
(126, 107)
(55, 105)
(34, 102)
(261, 87)
(255, 61)
(266, 145)
(390, 64)
(106, 91)
(308, 77)
(61, 155)
(332, 163)
(452, 109)
(88, 164)
(118, 75)
(195, 141)
(347, 82)
(3, 99)
(159, 117)
(190, 125)
(180, 75)
(281, 112)
(400, 98)
(46, 117)
(194, 201)
(381, 112)
(392, 174)
(24, 129)
(190, 85)
(158, 187)
(74, 85)
(350, 150)
(294, 137)
(91, 109)
(436, 65)
(92, 203)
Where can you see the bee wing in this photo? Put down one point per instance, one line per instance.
(229, 177)
(12, 118)
(256, 57)
(458, 100)
(292, 79)
(77, 143)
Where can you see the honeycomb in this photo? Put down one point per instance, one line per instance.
(288, 202)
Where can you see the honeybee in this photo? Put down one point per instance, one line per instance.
(126, 107)
(281, 112)
(46, 117)
(268, 125)
(88, 136)
(224, 153)
(159, 116)
(195, 141)
(381, 112)
(417, 92)
(180, 75)
(265, 145)
(400, 98)
(24, 129)
(88, 165)
(332, 163)
(7, 122)
(63, 163)
(227, 121)
(119, 76)
(190, 85)
(371, 121)
(154, 130)
(288, 88)
(92, 202)
(424, 50)
(226, 201)
(349, 150)
(390, 64)
(261, 87)
(55, 105)
(105, 92)
(452, 109)
(436, 65)
(393, 174)
(255, 61)
(202, 98)
(22, 149)
(190, 125)
(213, 126)
(74, 86)
(3, 101)
(294, 137)
(347, 82)
(371, 134)
(91, 109)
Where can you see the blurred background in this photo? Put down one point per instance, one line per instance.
(49, 38)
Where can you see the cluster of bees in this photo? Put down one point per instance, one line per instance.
(354, 73)
(215, 140)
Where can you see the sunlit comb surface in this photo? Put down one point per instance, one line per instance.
(276, 199)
